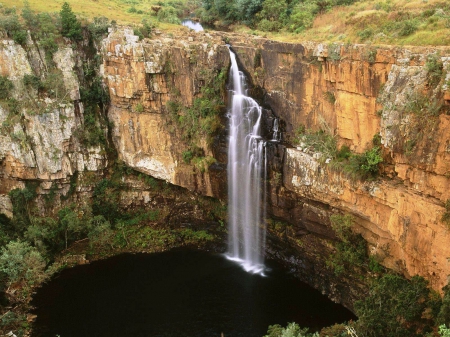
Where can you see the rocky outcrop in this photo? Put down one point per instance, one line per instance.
(143, 77)
(38, 134)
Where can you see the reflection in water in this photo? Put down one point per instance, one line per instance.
(176, 293)
(192, 25)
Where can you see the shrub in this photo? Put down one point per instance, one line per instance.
(395, 307)
(351, 250)
(203, 163)
(365, 34)
(106, 200)
(302, 16)
(321, 141)
(5, 87)
(99, 231)
(19, 261)
(444, 331)
(169, 15)
(14, 29)
(99, 27)
(291, 330)
(365, 165)
(329, 96)
(187, 156)
(32, 81)
(434, 67)
(408, 27)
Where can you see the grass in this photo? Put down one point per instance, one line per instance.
(396, 22)
(118, 10)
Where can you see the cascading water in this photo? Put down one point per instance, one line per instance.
(246, 165)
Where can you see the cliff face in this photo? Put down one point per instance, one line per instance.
(38, 133)
(356, 91)
(143, 78)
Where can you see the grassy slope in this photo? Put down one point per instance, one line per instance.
(345, 22)
(88, 9)
(339, 24)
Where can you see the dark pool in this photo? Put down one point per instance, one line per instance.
(176, 293)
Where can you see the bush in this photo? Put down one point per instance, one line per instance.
(302, 16)
(408, 27)
(444, 331)
(435, 68)
(14, 29)
(365, 165)
(291, 330)
(444, 312)
(396, 307)
(32, 81)
(21, 262)
(99, 231)
(320, 141)
(351, 250)
(99, 27)
(5, 87)
(169, 15)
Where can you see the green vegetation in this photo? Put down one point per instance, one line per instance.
(397, 307)
(291, 330)
(434, 69)
(351, 250)
(394, 307)
(394, 21)
(5, 87)
(201, 121)
(357, 166)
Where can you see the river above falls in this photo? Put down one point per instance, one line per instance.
(194, 25)
(176, 293)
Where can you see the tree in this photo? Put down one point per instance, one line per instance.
(70, 26)
(69, 223)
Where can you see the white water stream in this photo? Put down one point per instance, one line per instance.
(246, 168)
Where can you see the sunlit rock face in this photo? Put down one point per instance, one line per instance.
(357, 91)
(148, 74)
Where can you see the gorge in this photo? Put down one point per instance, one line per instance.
(150, 125)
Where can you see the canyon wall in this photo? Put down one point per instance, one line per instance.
(353, 91)
(358, 92)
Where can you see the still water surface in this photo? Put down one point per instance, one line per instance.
(192, 25)
(176, 293)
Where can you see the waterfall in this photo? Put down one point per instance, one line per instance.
(246, 166)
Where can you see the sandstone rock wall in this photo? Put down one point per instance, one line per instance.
(142, 78)
(358, 92)
(39, 142)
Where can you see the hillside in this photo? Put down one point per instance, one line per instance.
(393, 22)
